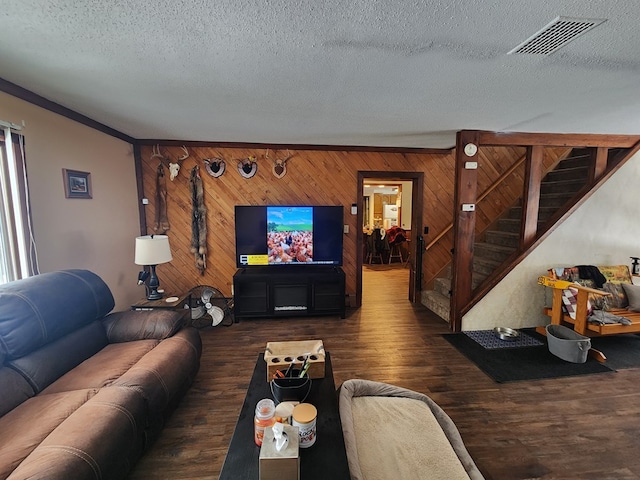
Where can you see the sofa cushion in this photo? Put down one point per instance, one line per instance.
(633, 294)
(616, 273)
(24, 427)
(618, 298)
(44, 366)
(41, 309)
(14, 389)
(142, 324)
(166, 371)
(104, 367)
(101, 439)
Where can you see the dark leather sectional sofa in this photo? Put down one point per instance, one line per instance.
(84, 391)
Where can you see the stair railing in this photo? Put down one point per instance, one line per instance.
(485, 194)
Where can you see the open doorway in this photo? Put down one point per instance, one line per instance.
(391, 202)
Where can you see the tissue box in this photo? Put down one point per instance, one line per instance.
(283, 464)
(280, 355)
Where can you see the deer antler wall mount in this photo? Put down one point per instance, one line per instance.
(174, 167)
(279, 168)
(214, 166)
(247, 167)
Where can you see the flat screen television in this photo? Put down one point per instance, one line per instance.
(288, 235)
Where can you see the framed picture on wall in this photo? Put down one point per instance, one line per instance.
(76, 184)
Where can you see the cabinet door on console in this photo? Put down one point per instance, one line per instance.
(327, 295)
(251, 297)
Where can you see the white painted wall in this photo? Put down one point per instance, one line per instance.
(95, 234)
(605, 230)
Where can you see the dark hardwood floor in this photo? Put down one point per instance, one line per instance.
(570, 428)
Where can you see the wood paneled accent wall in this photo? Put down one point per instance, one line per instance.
(314, 177)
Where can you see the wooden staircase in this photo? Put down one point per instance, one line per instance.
(501, 242)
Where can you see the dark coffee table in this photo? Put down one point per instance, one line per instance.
(326, 459)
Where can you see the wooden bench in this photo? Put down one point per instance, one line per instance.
(580, 324)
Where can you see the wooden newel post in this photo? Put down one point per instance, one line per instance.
(465, 198)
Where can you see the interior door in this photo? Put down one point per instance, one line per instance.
(415, 266)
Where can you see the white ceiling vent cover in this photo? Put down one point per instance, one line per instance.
(556, 35)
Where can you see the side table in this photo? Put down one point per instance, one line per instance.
(182, 303)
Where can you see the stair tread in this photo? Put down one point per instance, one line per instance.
(542, 207)
(508, 220)
(446, 281)
(564, 169)
(436, 294)
(503, 232)
(568, 181)
(512, 222)
(557, 195)
(494, 247)
(437, 303)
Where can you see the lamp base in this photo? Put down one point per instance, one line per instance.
(154, 283)
(154, 295)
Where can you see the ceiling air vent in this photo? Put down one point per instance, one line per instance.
(556, 35)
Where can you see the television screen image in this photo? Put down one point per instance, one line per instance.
(288, 235)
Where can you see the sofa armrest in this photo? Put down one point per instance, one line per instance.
(130, 325)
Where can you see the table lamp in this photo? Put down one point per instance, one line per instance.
(152, 250)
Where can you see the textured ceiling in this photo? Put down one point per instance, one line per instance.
(405, 73)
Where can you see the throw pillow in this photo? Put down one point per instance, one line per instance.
(618, 298)
(616, 273)
(570, 300)
(633, 295)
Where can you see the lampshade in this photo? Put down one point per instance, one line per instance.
(152, 250)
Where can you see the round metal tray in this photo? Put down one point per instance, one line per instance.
(506, 333)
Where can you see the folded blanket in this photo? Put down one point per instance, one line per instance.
(602, 317)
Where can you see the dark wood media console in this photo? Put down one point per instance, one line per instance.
(288, 291)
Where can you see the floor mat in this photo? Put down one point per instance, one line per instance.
(488, 339)
(517, 364)
(622, 351)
